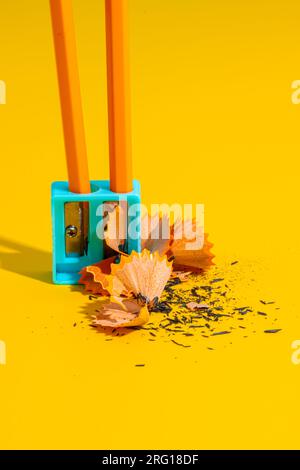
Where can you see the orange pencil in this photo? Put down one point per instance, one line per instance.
(70, 97)
(118, 85)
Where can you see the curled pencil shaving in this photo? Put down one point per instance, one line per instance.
(121, 314)
(141, 277)
(190, 249)
(145, 275)
(95, 278)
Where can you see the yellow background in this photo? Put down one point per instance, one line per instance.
(213, 123)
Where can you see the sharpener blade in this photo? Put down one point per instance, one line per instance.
(76, 228)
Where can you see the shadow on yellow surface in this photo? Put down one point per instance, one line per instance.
(25, 260)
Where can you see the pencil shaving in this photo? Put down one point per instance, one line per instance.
(122, 314)
(96, 278)
(144, 274)
(156, 231)
(196, 261)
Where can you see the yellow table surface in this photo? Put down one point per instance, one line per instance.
(213, 123)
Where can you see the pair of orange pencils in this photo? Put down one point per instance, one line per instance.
(118, 86)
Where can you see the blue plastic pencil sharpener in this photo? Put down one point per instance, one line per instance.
(78, 224)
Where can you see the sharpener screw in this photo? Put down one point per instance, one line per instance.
(71, 231)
